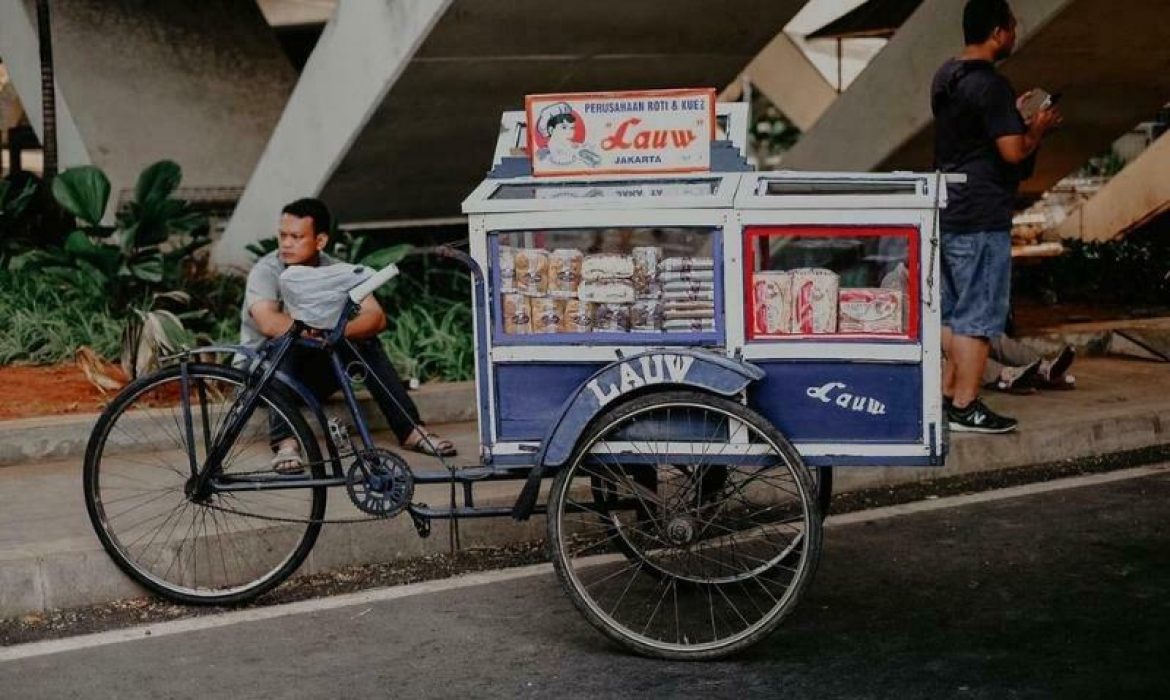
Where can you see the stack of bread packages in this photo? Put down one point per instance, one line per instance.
(646, 311)
(810, 301)
(607, 286)
(688, 294)
(539, 291)
(802, 301)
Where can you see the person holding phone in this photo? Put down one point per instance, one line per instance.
(979, 132)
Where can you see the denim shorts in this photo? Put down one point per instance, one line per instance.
(976, 282)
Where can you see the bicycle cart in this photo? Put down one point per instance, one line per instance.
(684, 354)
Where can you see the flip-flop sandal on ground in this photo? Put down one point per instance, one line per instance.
(1062, 383)
(1019, 379)
(1052, 374)
(434, 446)
(288, 461)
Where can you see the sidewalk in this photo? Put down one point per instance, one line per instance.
(50, 558)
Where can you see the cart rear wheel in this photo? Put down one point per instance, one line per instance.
(685, 526)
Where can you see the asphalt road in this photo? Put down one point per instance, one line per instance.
(1062, 593)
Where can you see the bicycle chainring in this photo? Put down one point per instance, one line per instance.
(383, 487)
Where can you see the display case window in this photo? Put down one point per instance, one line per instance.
(813, 186)
(825, 283)
(615, 285)
(613, 189)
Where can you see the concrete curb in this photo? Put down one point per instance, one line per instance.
(65, 437)
(78, 572)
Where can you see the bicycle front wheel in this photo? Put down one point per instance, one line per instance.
(227, 548)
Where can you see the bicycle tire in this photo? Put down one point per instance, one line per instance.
(137, 456)
(767, 497)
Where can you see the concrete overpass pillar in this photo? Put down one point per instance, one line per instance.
(1138, 193)
(20, 52)
(200, 83)
(360, 55)
(789, 80)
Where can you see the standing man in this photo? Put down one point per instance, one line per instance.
(303, 235)
(980, 133)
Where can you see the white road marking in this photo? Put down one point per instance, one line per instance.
(195, 624)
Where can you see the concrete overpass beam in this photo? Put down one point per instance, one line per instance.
(789, 80)
(888, 105)
(360, 55)
(1138, 193)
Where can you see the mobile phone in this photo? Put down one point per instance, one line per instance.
(1051, 101)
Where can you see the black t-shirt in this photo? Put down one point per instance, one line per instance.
(974, 105)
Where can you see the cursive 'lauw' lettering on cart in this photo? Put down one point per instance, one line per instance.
(649, 369)
(826, 393)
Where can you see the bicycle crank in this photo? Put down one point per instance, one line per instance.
(380, 483)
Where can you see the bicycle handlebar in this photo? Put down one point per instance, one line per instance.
(379, 278)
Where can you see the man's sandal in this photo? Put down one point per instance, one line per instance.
(432, 445)
(288, 461)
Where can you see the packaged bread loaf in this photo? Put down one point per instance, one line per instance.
(604, 266)
(693, 325)
(646, 271)
(532, 271)
(868, 310)
(689, 276)
(772, 297)
(612, 318)
(517, 314)
(564, 272)
(507, 267)
(545, 317)
(686, 264)
(646, 315)
(607, 291)
(576, 316)
(814, 301)
(688, 286)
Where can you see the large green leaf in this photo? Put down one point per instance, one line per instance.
(104, 257)
(147, 266)
(84, 192)
(157, 182)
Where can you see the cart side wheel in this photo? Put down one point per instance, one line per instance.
(685, 526)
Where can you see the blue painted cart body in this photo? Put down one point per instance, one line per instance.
(843, 399)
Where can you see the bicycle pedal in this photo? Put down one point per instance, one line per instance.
(421, 525)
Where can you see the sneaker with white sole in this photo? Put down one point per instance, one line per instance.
(978, 418)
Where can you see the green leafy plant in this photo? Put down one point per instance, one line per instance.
(137, 263)
(16, 225)
(47, 319)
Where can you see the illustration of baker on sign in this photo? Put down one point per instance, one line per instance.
(560, 137)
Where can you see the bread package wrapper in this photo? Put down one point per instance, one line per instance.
(564, 273)
(676, 286)
(689, 326)
(772, 300)
(532, 271)
(646, 315)
(682, 265)
(607, 291)
(604, 266)
(814, 301)
(646, 271)
(867, 310)
(546, 317)
(688, 297)
(674, 314)
(613, 318)
(517, 314)
(576, 316)
(689, 276)
(506, 263)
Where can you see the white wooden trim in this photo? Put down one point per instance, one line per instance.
(480, 200)
(844, 449)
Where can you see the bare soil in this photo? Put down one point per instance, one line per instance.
(47, 390)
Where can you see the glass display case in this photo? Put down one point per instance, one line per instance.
(607, 285)
(831, 282)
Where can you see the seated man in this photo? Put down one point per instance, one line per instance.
(1015, 368)
(304, 232)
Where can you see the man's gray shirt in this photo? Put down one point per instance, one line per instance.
(264, 285)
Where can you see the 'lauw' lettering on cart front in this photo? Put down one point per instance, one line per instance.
(831, 392)
(649, 369)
